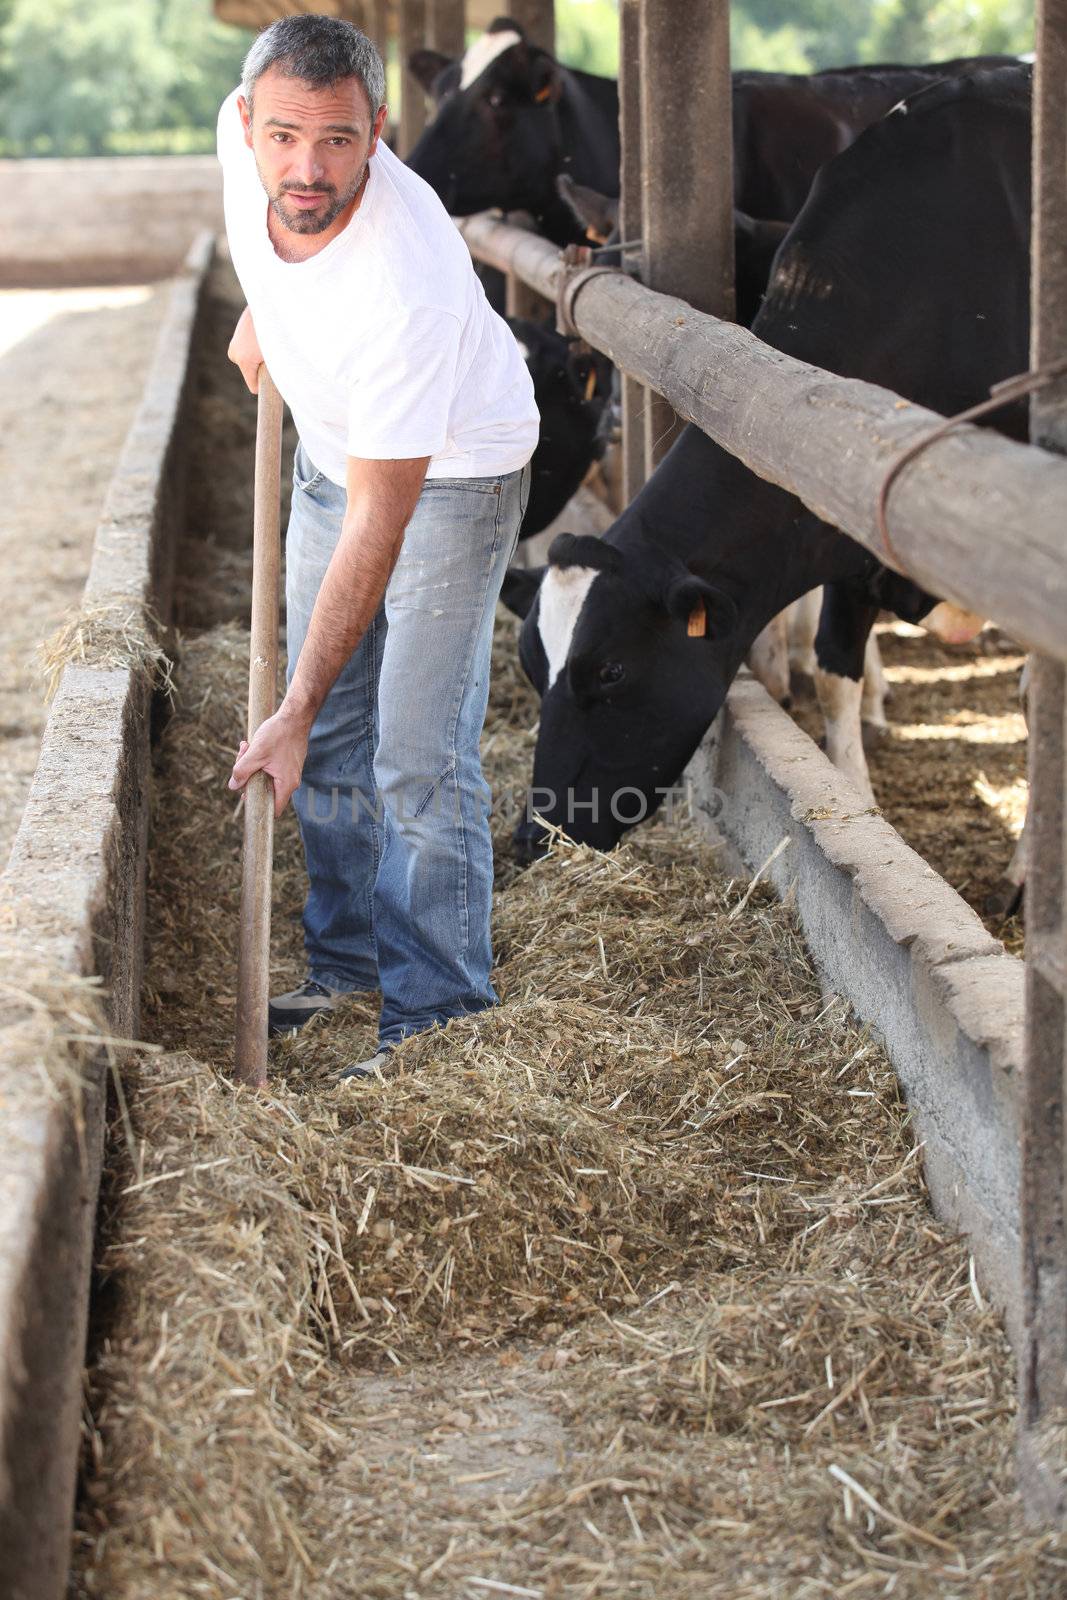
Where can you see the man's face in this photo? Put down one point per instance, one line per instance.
(311, 146)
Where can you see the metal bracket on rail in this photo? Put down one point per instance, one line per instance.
(575, 272)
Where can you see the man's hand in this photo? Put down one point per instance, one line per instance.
(278, 748)
(244, 350)
(381, 498)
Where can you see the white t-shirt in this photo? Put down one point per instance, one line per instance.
(383, 344)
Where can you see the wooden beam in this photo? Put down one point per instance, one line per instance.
(537, 19)
(978, 519)
(446, 26)
(635, 397)
(686, 169)
(377, 25)
(411, 35)
(1043, 1365)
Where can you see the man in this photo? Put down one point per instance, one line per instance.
(416, 421)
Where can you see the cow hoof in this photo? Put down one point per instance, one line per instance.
(874, 735)
(786, 702)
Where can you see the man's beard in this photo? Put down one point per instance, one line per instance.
(315, 221)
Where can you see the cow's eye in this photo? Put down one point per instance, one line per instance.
(611, 672)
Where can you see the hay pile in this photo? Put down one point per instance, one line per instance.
(628, 1287)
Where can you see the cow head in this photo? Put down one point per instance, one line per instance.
(631, 653)
(495, 139)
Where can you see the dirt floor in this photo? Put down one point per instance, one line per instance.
(951, 775)
(72, 366)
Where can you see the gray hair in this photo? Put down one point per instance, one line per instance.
(319, 50)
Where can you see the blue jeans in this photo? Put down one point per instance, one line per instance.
(392, 806)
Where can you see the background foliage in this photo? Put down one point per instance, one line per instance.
(95, 77)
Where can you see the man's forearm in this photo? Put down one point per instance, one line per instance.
(347, 602)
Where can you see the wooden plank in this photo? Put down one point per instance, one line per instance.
(377, 25)
(635, 397)
(1043, 1364)
(536, 18)
(686, 170)
(411, 35)
(978, 519)
(446, 26)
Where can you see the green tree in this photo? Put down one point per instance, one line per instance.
(587, 35)
(913, 30)
(83, 77)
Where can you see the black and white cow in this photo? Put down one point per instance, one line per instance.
(511, 118)
(908, 267)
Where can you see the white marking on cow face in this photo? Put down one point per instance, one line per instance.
(483, 52)
(839, 699)
(563, 594)
(952, 624)
(524, 350)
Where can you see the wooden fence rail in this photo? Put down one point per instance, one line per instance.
(977, 518)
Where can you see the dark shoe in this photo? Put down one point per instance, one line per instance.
(287, 1013)
(374, 1068)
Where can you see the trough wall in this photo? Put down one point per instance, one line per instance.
(106, 219)
(72, 904)
(908, 954)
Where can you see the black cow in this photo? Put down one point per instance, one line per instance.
(908, 267)
(511, 118)
(572, 386)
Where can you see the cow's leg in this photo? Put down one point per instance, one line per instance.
(803, 617)
(845, 624)
(872, 705)
(768, 659)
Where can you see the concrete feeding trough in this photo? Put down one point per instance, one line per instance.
(905, 950)
(72, 905)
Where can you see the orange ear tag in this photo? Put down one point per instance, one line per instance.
(590, 384)
(543, 94)
(697, 626)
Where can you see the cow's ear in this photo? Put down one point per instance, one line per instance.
(427, 66)
(583, 550)
(705, 610)
(598, 213)
(519, 589)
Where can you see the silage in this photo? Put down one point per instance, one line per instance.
(666, 1194)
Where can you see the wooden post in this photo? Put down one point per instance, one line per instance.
(377, 25)
(446, 26)
(411, 35)
(1043, 1362)
(635, 397)
(537, 19)
(253, 943)
(686, 169)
